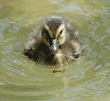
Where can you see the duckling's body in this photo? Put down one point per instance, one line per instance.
(54, 42)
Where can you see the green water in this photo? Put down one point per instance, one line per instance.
(87, 79)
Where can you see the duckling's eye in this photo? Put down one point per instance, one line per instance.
(61, 31)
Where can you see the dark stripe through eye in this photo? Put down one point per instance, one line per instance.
(46, 35)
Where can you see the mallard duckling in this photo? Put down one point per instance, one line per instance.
(54, 42)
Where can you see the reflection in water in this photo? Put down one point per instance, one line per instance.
(87, 79)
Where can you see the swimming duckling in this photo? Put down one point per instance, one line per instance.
(54, 42)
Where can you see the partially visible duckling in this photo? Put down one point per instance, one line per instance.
(54, 42)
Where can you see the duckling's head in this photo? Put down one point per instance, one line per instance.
(54, 33)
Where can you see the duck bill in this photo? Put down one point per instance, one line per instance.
(54, 46)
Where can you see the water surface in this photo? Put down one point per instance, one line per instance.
(87, 79)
